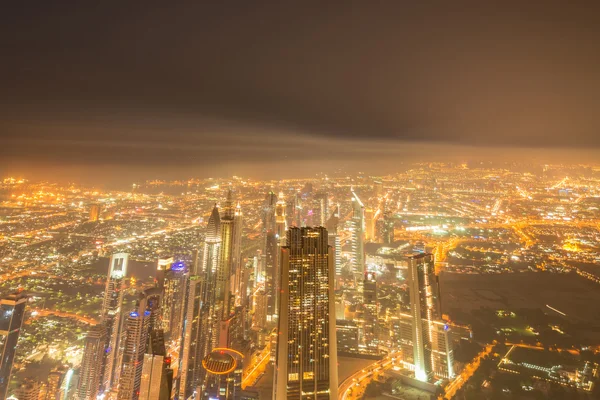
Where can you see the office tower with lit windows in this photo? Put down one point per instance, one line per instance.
(111, 317)
(259, 319)
(136, 338)
(28, 389)
(157, 375)
(334, 240)
(217, 317)
(306, 357)
(239, 284)
(94, 212)
(369, 224)
(210, 266)
(12, 312)
(191, 353)
(172, 308)
(425, 311)
(271, 248)
(388, 228)
(323, 200)
(294, 211)
(225, 268)
(162, 264)
(90, 373)
(358, 235)
(212, 242)
(369, 323)
(347, 336)
(280, 219)
(280, 237)
(154, 301)
(53, 384)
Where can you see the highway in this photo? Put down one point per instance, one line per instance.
(254, 372)
(38, 312)
(466, 373)
(358, 381)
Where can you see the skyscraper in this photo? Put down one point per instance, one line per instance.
(91, 372)
(111, 317)
(172, 309)
(216, 311)
(12, 312)
(306, 359)
(369, 326)
(358, 235)
(225, 268)
(425, 311)
(271, 247)
(323, 199)
(94, 212)
(157, 376)
(369, 224)
(136, 339)
(334, 240)
(191, 354)
(28, 389)
(238, 281)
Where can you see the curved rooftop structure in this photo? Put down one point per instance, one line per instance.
(213, 230)
(219, 362)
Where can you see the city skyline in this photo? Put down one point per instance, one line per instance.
(297, 201)
(178, 289)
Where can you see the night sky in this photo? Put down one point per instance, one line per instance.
(125, 90)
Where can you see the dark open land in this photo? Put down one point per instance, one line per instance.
(573, 295)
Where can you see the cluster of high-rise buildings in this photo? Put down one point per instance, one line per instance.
(192, 332)
(184, 336)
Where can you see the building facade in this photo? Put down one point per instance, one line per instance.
(306, 355)
(12, 312)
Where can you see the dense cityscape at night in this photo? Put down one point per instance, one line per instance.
(426, 286)
(306, 201)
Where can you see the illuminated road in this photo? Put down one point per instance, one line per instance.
(466, 373)
(358, 379)
(38, 312)
(253, 374)
(29, 272)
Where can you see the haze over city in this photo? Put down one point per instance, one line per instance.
(261, 200)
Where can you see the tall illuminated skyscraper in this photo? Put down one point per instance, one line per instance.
(358, 235)
(334, 240)
(429, 345)
(191, 354)
(136, 339)
(369, 224)
(174, 287)
(323, 199)
(225, 269)
(111, 317)
(212, 242)
(90, 374)
(94, 212)
(210, 266)
(369, 326)
(12, 312)
(306, 359)
(280, 220)
(238, 281)
(271, 248)
(217, 317)
(157, 376)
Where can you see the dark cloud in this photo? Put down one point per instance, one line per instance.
(177, 83)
